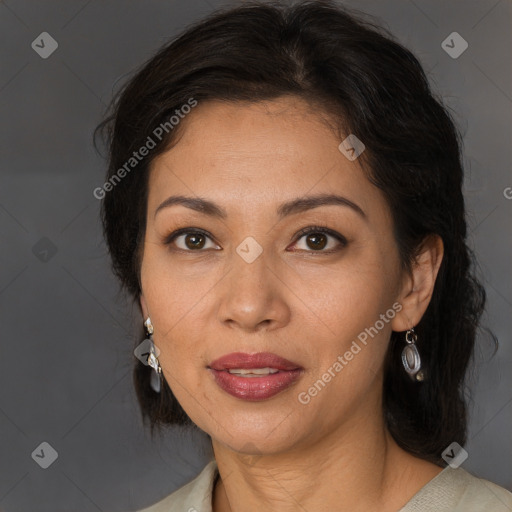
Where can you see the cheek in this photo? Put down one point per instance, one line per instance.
(174, 289)
(178, 332)
(350, 344)
(352, 316)
(354, 289)
(348, 307)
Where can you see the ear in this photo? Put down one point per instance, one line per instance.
(418, 285)
(144, 307)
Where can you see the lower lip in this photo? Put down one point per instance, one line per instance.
(255, 388)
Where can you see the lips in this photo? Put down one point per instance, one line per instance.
(272, 374)
(248, 361)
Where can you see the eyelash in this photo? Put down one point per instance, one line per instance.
(306, 231)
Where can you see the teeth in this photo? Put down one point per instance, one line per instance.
(252, 371)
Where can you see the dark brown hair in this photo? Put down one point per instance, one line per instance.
(369, 85)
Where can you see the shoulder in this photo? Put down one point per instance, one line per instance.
(196, 496)
(459, 490)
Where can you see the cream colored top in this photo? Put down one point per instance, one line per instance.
(449, 491)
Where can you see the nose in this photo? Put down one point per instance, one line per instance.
(252, 296)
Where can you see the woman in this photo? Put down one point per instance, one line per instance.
(284, 204)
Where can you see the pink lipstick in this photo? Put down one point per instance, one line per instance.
(254, 376)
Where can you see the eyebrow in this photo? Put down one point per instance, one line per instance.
(298, 205)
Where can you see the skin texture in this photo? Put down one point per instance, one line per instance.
(300, 302)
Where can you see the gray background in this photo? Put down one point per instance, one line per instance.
(66, 360)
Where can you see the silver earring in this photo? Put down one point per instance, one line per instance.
(411, 357)
(156, 375)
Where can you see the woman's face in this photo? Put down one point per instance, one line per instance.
(254, 284)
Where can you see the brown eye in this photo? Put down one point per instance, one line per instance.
(189, 240)
(317, 239)
(194, 241)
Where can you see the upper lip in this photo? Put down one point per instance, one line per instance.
(247, 361)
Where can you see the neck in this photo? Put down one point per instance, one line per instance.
(354, 468)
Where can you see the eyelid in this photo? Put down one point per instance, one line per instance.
(325, 230)
(186, 231)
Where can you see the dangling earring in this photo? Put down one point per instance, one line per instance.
(411, 357)
(156, 375)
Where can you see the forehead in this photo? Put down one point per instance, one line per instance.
(259, 153)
